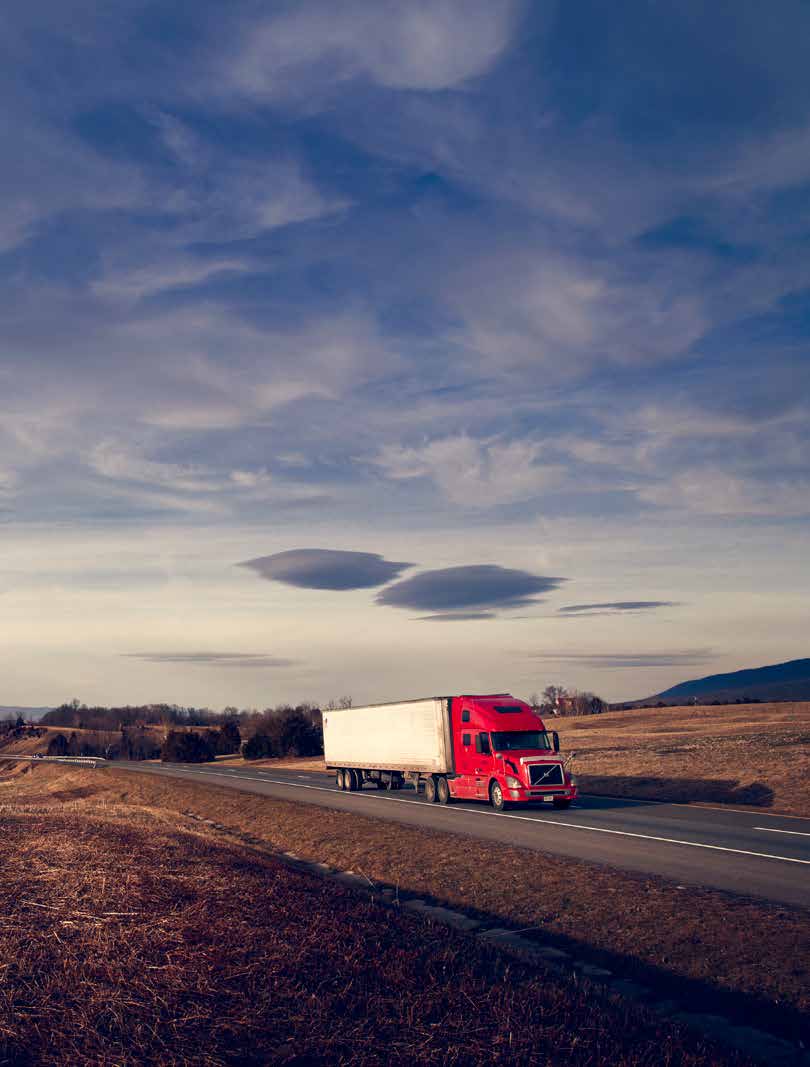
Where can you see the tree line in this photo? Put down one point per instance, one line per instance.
(188, 735)
(557, 700)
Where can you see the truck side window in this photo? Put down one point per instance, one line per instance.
(482, 744)
(465, 715)
(465, 739)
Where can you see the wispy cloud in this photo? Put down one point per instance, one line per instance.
(242, 660)
(458, 616)
(419, 45)
(720, 492)
(614, 607)
(473, 474)
(621, 660)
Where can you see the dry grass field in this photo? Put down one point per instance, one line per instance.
(708, 950)
(738, 754)
(128, 937)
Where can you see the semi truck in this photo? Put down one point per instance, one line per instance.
(488, 747)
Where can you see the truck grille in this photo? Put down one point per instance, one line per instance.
(545, 774)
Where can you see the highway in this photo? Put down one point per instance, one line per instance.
(746, 852)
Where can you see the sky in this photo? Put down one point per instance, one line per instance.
(401, 347)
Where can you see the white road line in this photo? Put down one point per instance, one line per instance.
(528, 818)
(772, 830)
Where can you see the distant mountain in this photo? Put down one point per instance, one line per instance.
(779, 681)
(29, 714)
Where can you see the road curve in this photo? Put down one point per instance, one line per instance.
(745, 852)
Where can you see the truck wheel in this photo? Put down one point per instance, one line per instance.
(339, 781)
(443, 791)
(561, 802)
(496, 797)
(430, 790)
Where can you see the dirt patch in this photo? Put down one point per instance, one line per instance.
(125, 942)
(705, 948)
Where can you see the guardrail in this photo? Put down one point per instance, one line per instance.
(92, 760)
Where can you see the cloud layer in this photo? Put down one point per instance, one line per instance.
(493, 279)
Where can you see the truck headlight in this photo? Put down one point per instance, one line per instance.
(513, 783)
(572, 779)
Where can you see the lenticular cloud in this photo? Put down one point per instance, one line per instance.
(326, 568)
(467, 589)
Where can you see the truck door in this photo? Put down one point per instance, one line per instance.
(465, 755)
(483, 766)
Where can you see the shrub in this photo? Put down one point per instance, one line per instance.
(260, 746)
(228, 738)
(58, 746)
(287, 731)
(186, 746)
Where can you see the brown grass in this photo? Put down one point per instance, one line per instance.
(126, 940)
(707, 949)
(754, 755)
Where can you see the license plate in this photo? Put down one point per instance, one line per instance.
(548, 800)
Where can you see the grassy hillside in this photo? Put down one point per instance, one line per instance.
(128, 938)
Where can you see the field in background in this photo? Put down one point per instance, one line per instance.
(707, 949)
(738, 754)
(130, 937)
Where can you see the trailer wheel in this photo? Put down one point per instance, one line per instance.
(350, 777)
(430, 790)
(339, 780)
(496, 797)
(443, 791)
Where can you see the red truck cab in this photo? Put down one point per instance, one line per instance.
(504, 754)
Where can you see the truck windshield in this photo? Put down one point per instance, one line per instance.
(511, 740)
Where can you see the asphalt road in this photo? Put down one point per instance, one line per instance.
(752, 853)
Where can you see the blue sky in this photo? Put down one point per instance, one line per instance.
(391, 347)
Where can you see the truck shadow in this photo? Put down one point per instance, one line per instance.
(678, 790)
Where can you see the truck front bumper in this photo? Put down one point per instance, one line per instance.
(539, 796)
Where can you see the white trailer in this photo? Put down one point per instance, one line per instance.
(387, 743)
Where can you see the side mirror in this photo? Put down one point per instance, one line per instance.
(555, 739)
